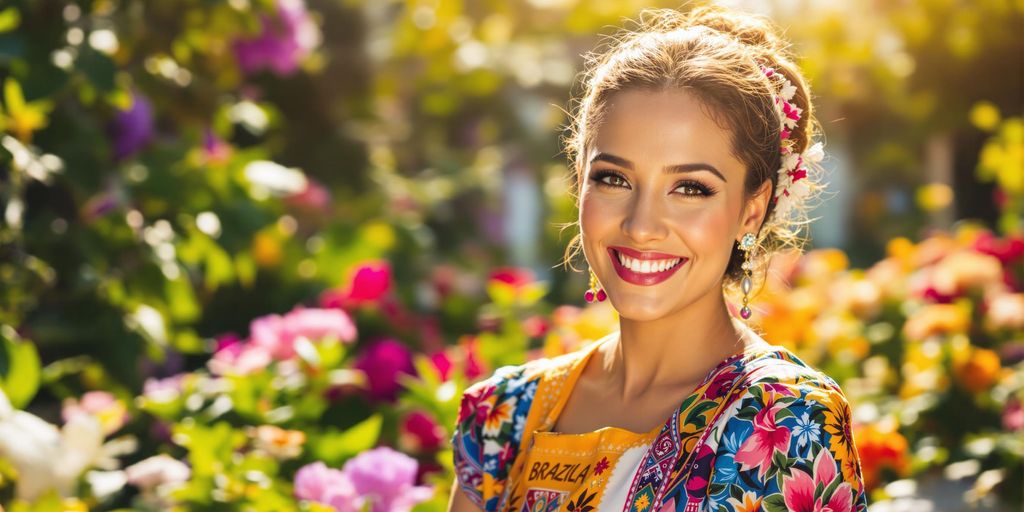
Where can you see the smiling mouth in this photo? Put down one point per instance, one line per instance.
(644, 272)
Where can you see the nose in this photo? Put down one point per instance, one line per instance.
(645, 220)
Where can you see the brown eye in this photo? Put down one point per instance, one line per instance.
(609, 179)
(693, 188)
(614, 179)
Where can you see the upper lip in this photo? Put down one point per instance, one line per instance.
(643, 255)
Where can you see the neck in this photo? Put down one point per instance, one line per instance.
(673, 352)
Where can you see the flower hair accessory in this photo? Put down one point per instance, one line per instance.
(793, 185)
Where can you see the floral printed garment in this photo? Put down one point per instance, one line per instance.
(763, 432)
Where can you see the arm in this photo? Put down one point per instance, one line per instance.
(460, 502)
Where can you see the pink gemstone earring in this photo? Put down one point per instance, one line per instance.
(747, 245)
(593, 293)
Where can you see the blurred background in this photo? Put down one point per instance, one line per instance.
(251, 248)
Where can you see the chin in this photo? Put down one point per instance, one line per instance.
(643, 309)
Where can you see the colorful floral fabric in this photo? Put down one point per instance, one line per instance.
(763, 431)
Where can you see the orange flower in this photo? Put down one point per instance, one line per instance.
(881, 449)
(936, 319)
(749, 502)
(978, 370)
(278, 442)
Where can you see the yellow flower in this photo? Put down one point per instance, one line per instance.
(642, 502)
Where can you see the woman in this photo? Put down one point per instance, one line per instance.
(692, 147)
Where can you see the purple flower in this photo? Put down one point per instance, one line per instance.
(133, 128)
(382, 362)
(319, 483)
(387, 478)
(284, 40)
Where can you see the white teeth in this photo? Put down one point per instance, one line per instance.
(647, 266)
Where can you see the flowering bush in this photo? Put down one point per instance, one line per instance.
(233, 278)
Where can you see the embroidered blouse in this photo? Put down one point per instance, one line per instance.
(762, 431)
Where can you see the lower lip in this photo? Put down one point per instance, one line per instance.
(638, 278)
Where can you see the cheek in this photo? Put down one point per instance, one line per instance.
(596, 213)
(706, 230)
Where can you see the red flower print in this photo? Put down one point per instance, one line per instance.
(601, 466)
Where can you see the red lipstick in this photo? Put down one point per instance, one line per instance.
(643, 278)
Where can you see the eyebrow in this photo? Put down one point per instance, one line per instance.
(668, 169)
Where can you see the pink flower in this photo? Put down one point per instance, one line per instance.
(1013, 415)
(163, 390)
(382, 362)
(369, 284)
(758, 449)
(314, 197)
(108, 410)
(285, 39)
(316, 482)
(387, 478)
(798, 488)
(215, 150)
(240, 359)
(277, 334)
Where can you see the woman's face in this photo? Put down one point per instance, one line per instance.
(663, 190)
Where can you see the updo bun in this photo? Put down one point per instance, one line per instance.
(715, 53)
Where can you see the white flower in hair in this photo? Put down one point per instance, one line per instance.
(815, 153)
(793, 186)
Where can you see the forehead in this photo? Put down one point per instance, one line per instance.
(657, 128)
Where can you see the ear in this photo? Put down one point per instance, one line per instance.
(754, 209)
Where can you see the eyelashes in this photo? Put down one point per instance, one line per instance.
(696, 188)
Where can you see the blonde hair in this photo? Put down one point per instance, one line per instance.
(714, 53)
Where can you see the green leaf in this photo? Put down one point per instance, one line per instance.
(334, 447)
(19, 369)
(774, 503)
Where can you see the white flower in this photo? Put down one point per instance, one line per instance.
(815, 153)
(157, 470)
(48, 458)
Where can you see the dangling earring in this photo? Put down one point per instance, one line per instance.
(593, 293)
(747, 245)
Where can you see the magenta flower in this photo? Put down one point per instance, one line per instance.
(369, 284)
(382, 362)
(132, 129)
(316, 482)
(798, 488)
(284, 40)
(387, 478)
(758, 449)
(425, 434)
(517, 277)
